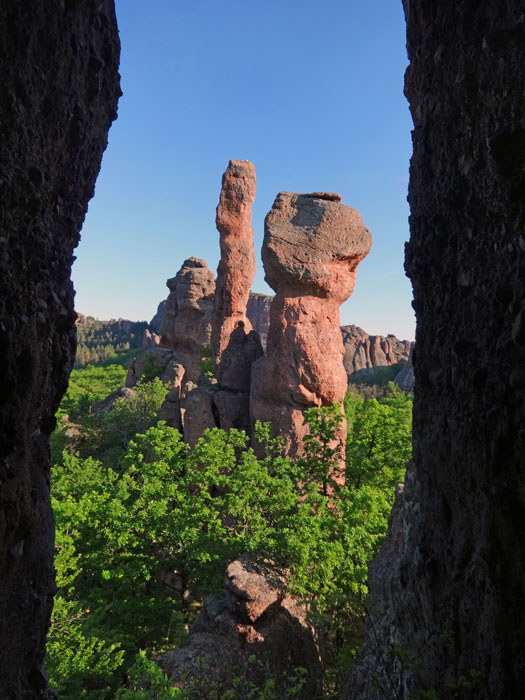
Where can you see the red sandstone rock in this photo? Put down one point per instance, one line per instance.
(236, 269)
(364, 353)
(312, 246)
(186, 324)
(258, 312)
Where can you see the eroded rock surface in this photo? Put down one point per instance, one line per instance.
(451, 594)
(312, 246)
(60, 86)
(186, 323)
(254, 615)
(237, 266)
(363, 353)
(258, 312)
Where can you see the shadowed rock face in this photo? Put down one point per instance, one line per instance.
(258, 312)
(312, 246)
(186, 323)
(254, 615)
(448, 584)
(236, 270)
(60, 86)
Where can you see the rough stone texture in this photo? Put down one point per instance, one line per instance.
(198, 412)
(311, 250)
(452, 589)
(253, 616)
(405, 378)
(237, 266)
(59, 67)
(235, 369)
(149, 340)
(258, 312)
(186, 324)
(155, 324)
(364, 353)
(161, 359)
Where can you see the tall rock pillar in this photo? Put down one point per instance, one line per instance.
(236, 270)
(312, 246)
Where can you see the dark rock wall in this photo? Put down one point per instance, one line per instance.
(58, 97)
(448, 587)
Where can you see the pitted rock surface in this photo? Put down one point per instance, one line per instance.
(236, 270)
(451, 595)
(312, 247)
(253, 616)
(186, 322)
(60, 87)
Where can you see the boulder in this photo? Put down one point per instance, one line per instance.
(254, 616)
(312, 247)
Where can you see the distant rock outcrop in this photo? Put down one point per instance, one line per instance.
(312, 246)
(364, 353)
(258, 312)
(237, 265)
(186, 324)
(405, 378)
(254, 615)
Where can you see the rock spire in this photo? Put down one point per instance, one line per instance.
(236, 270)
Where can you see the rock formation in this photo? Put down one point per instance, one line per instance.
(60, 86)
(363, 353)
(186, 324)
(155, 324)
(258, 312)
(405, 377)
(448, 588)
(237, 266)
(252, 616)
(312, 246)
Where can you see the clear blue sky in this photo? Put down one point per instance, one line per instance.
(311, 93)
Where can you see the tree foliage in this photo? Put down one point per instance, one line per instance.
(145, 531)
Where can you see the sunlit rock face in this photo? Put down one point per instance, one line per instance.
(60, 86)
(447, 588)
(312, 246)
(237, 266)
(187, 317)
(364, 353)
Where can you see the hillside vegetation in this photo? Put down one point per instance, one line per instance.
(146, 527)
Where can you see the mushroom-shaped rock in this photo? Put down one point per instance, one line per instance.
(312, 246)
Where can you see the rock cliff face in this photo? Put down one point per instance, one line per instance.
(186, 323)
(60, 86)
(237, 265)
(253, 615)
(312, 246)
(364, 353)
(448, 589)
